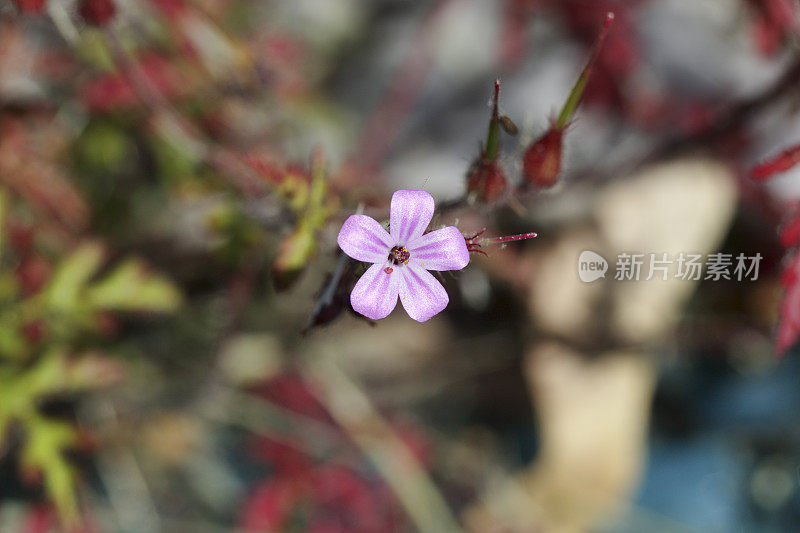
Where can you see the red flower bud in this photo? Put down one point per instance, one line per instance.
(31, 6)
(486, 180)
(97, 12)
(541, 162)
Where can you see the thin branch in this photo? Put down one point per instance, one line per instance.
(226, 161)
(353, 410)
(386, 121)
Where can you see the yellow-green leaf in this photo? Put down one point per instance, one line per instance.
(43, 451)
(71, 276)
(130, 287)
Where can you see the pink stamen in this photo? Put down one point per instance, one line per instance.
(474, 244)
(507, 238)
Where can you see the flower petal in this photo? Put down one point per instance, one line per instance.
(443, 249)
(375, 294)
(364, 239)
(421, 294)
(411, 213)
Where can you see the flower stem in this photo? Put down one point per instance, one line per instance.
(576, 93)
(492, 149)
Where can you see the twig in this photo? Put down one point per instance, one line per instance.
(727, 121)
(734, 117)
(384, 123)
(266, 418)
(228, 162)
(128, 491)
(352, 409)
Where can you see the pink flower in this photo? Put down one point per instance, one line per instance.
(401, 258)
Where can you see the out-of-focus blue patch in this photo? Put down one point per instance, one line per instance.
(700, 481)
(696, 483)
(768, 401)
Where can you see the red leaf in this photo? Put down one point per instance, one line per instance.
(780, 163)
(789, 326)
(33, 7)
(790, 232)
(97, 12)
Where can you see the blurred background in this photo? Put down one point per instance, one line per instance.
(177, 348)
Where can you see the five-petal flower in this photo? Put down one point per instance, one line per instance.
(401, 258)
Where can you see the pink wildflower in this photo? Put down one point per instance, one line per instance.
(401, 258)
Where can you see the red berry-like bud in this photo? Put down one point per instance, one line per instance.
(31, 6)
(97, 12)
(541, 162)
(486, 180)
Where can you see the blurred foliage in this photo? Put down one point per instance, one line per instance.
(166, 157)
(46, 348)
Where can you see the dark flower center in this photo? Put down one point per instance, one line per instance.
(399, 255)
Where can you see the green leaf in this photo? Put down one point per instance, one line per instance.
(102, 148)
(20, 390)
(45, 439)
(43, 452)
(47, 377)
(13, 345)
(130, 287)
(93, 49)
(64, 290)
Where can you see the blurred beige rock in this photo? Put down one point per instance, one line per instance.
(559, 302)
(591, 396)
(593, 417)
(681, 206)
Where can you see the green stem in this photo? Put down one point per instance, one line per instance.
(575, 95)
(492, 149)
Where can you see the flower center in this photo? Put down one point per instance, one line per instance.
(399, 255)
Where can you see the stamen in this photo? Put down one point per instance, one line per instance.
(507, 238)
(399, 255)
(474, 243)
